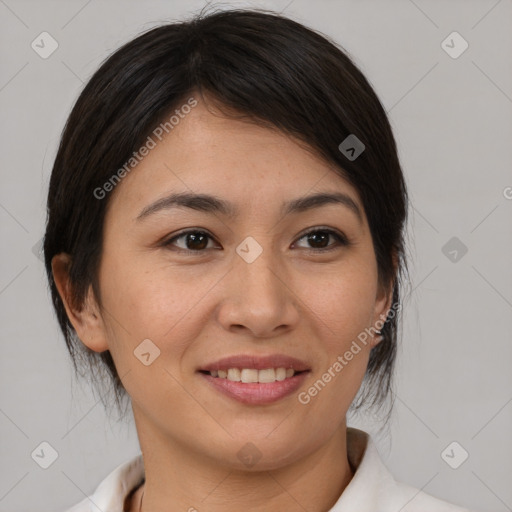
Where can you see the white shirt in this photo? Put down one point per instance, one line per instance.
(372, 488)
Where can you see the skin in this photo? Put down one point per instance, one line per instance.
(200, 307)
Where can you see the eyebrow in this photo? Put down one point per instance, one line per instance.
(212, 204)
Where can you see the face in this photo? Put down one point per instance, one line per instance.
(251, 286)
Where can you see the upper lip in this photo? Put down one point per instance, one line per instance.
(256, 362)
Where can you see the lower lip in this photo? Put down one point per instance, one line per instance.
(256, 393)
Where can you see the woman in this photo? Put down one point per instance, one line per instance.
(225, 237)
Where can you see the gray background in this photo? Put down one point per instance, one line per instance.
(452, 119)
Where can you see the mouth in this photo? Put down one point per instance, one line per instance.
(256, 380)
(252, 375)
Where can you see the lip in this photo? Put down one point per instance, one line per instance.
(257, 363)
(256, 393)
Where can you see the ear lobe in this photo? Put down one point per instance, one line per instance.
(86, 319)
(383, 305)
(384, 299)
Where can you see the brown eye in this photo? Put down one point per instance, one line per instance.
(318, 239)
(193, 241)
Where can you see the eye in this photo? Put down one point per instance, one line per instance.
(196, 241)
(319, 239)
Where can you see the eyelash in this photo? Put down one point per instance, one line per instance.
(340, 238)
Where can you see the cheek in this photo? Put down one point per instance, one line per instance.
(344, 311)
(154, 303)
(345, 303)
(345, 314)
(157, 305)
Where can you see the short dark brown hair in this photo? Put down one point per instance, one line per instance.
(253, 63)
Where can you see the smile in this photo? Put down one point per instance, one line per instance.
(251, 375)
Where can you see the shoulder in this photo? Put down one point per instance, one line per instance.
(415, 500)
(373, 487)
(112, 491)
(82, 506)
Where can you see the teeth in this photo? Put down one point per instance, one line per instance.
(234, 374)
(267, 375)
(280, 373)
(250, 375)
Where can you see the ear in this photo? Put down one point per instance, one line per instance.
(87, 321)
(383, 303)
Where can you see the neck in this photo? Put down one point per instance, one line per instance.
(180, 480)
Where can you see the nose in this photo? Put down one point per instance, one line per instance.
(259, 298)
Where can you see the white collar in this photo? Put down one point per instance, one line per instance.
(371, 489)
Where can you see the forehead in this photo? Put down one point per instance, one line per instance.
(243, 162)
